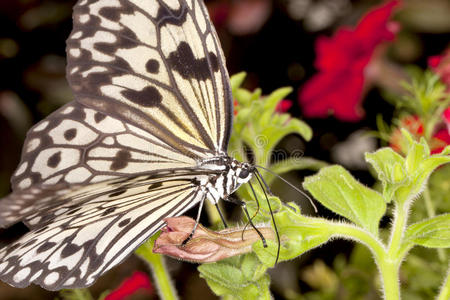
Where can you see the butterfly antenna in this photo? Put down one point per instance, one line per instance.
(269, 191)
(260, 181)
(291, 185)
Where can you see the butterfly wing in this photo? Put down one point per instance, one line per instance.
(152, 97)
(94, 228)
(119, 51)
(156, 64)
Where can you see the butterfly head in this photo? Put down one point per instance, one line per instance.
(243, 171)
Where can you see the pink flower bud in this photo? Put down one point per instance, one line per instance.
(206, 245)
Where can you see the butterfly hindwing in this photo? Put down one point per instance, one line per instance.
(157, 64)
(78, 243)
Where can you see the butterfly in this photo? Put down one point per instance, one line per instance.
(145, 138)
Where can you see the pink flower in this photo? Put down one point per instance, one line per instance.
(137, 281)
(341, 60)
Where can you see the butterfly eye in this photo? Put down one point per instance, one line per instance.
(244, 173)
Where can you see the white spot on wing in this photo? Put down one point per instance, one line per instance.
(21, 275)
(75, 52)
(3, 265)
(84, 18)
(78, 175)
(96, 69)
(33, 144)
(25, 183)
(21, 169)
(41, 126)
(77, 35)
(107, 125)
(83, 136)
(108, 140)
(70, 281)
(68, 110)
(51, 278)
(69, 158)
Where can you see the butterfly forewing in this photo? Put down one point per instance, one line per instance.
(96, 178)
(156, 64)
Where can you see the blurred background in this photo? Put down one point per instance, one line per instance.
(274, 41)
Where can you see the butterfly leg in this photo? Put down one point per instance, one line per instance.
(243, 205)
(221, 215)
(197, 220)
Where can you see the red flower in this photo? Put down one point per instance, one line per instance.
(441, 139)
(137, 281)
(440, 64)
(341, 61)
(283, 106)
(414, 125)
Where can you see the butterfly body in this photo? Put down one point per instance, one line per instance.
(145, 138)
(232, 174)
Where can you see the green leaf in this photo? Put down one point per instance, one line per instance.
(389, 167)
(298, 233)
(241, 277)
(433, 233)
(337, 190)
(271, 101)
(237, 80)
(417, 153)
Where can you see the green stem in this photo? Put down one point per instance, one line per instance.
(398, 228)
(165, 287)
(162, 279)
(444, 294)
(431, 213)
(389, 271)
(388, 265)
(347, 231)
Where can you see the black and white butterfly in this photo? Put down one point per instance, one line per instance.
(144, 139)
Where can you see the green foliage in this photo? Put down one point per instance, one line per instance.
(259, 128)
(76, 294)
(347, 197)
(244, 277)
(402, 178)
(433, 233)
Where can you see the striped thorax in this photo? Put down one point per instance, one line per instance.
(231, 174)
